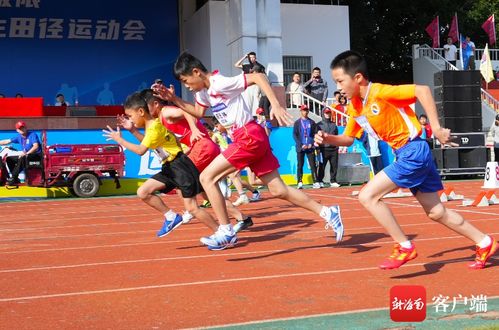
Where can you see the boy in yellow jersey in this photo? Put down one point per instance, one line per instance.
(383, 112)
(177, 169)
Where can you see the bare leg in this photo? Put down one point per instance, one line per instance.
(370, 197)
(451, 219)
(209, 178)
(280, 190)
(191, 205)
(147, 191)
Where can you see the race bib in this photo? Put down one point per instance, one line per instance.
(221, 114)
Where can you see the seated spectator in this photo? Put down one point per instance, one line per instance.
(2, 96)
(19, 96)
(30, 145)
(61, 101)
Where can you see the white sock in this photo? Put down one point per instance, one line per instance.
(170, 215)
(227, 229)
(325, 212)
(484, 242)
(406, 244)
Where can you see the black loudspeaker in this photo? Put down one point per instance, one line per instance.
(457, 93)
(446, 158)
(455, 78)
(459, 108)
(473, 158)
(461, 124)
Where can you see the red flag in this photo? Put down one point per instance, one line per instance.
(454, 30)
(433, 29)
(490, 27)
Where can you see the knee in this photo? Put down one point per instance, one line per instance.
(366, 198)
(205, 179)
(143, 193)
(437, 213)
(279, 191)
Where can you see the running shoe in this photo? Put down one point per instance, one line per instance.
(335, 222)
(400, 256)
(170, 225)
(482, 255)
(243, 224)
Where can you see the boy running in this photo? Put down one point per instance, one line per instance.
(383, 112)
(177, 169)
(250, 145)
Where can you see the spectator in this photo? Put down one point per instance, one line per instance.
(341, 107)
(304, 131)
(260, 119)
(294, 89)
(428, 133)
(19, 96)
(61, 101)
(329, 152)
(316, 87)
(450, 52)
(494, 132)
(253, 93)
(2, 96)
(468, 48)
(251, 57)
(30, 146)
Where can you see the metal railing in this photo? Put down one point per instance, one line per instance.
(490, 100)
(494, 53)
(295, 99)
(432, 54)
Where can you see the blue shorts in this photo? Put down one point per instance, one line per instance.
(414, 168)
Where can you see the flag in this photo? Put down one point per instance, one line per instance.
(454, 30)
(486, 65)
(433, 29)
(490, 27)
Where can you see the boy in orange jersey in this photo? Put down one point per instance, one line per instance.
(383, 112)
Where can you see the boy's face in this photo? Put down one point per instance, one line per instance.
(422, 120)
(137, 116)
(316, 74)
(348, 85)
(296, 78)
(194, 81)
(252, 58)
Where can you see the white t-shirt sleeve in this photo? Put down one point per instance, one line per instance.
(229, 87)
(202, 99)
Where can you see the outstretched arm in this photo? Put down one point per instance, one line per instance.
(277, 111)
(337, 140)
(111, 134)
(168, 94)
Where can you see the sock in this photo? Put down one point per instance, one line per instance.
(406, 244)
(325, 213)
(170, 215)
(227, 229)
(484, 242)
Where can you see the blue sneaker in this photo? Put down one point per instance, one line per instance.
(170, 225)
(219, 241)
(243, 224)
(335, 222)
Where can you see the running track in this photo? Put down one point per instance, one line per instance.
(96, 263)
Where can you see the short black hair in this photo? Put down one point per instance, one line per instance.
(497, 117)
(423, 116)
(316, 68)
(351, 62)
(148, 95)
(185, 63)
(258, 68)
(296, 72)
(59, 95)
(336, 92)
(252, 53)
(135, 101)
(19, 94)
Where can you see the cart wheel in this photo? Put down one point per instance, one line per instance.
(86, 185)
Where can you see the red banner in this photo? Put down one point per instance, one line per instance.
(454, 30)
(490, 27)
(433, 29)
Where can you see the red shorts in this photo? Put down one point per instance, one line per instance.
(203, 152)
(251, 148)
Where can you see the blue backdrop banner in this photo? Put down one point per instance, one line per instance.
(92, 51)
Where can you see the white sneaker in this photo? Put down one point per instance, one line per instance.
(335, 185)
(316, 185)
(321, 184)
(300, 185)
(243, 199)
(187, 217)
(256, 196)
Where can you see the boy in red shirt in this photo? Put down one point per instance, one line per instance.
(250, 145)
(383, 112)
